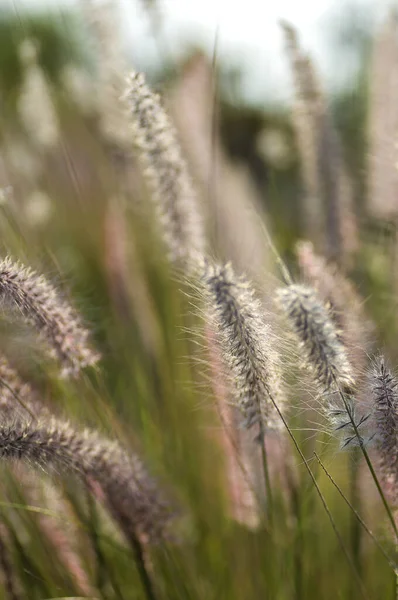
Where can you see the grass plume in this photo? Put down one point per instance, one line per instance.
(324, 353)
(246, 343)
(165, 170)
(346, 307)
(383, 384)
(55, 445)
(41, 307)
(329, 214)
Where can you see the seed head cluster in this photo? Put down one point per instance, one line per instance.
(385, 406)
(53, 318)
(165, 170)
(246, 344)
(346, 306)
(129, 491)
(324, 352)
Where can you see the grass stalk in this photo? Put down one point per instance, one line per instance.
(324, 503)
(269, 504)
(370, 466)
(356, 514)
(146, 582)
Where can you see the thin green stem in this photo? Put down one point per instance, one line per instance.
(369, 464)
(356, 514)
(141, 566)
(355, 527)
(267, 479)
(322, 498)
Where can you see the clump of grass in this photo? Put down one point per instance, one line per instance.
(171, 418)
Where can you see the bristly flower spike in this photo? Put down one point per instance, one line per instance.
(166, 171)
(246, 344)
(130, 493)
(384, 388)
(324, 352)
(52, 317)
(326, 358)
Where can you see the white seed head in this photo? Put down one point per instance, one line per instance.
(165, 170)
(246, 343)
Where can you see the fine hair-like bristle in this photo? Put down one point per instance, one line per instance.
(165, 170)
(319, 338)
(130, 493)
(246, 343)
(384, 390)
(53, 318)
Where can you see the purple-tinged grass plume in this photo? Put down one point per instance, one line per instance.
(55, 446)
(165, 171)
(246, 343)
(41, 307)
(384, 390)
(346, 307)
(329, 214)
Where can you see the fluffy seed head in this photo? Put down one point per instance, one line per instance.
(246, 344)
(165, 171)
(318, 336)
(52, 317)
(346, 306)
(385, 407)
(131, 494)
